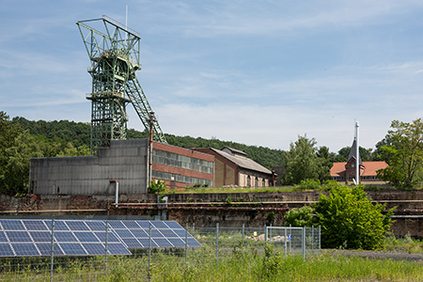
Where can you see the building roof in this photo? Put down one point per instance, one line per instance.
(369, 169)
(243, 162)
(234, 151)
(353, 152)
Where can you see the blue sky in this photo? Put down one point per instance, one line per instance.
(254, 72)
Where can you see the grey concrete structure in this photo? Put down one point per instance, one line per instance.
(125, 161)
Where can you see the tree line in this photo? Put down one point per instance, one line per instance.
(22, 139)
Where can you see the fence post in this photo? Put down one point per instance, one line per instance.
(186, 243)
(243, 232)
(265, 234)
(312, 237)
(320, 236)
(217, 242)
(105, 245)
(149, 251)
(290, 237)
(52, 251)
(285, 242)
(303, 241)
(270, 233)
(193, 229)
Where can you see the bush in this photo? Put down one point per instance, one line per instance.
(158, 186)
(350, 220)
(299, 217)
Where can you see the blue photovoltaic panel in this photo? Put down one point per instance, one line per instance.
(97, 225)
(111, 238)
(41, 236)
(35, 225)
(94, 248)
(173, 224)
(72, 237)
(73, 249)
(115, 224)
(139, 233)
(77, 225)
(64, 236)
(193, 243)
(18, 236)
(124, 233)
(3, 238)
(25, 249)
(86, 237)
(6, 250)
(45, 249)
(145, 243)
(168, 233)
(156, 233)
(159, 224)
(117, 249)
(144, 224)
(133, 243)
(12, 224)
(162, 242)
(58, 225)
(177, 242)
(131, 224)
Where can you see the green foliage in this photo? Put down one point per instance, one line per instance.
(300, 217)
(303, 161)
(15, 160)
(272, 261)
(350, 220)
(404, 154)
(365, 154)
(262, 155)
(308, 184)
(158, 186)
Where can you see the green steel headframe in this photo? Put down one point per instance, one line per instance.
(115, 57)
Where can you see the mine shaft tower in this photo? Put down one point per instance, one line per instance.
(115, 57)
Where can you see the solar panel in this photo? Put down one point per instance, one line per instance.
(85, 237)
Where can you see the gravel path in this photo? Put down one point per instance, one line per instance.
(395, 255)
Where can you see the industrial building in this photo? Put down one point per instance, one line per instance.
(233, 167)
(125, 164)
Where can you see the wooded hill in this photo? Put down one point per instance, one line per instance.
(74, 137)
(22, 139)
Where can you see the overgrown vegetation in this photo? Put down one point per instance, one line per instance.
(348, 218)
(239, 265)
(404, 153)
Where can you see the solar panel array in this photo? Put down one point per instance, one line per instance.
(85, 237)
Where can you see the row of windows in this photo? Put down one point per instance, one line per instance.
(181, 178)
(351, 177)
(172, 159)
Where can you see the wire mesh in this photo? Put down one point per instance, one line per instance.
(218, 244)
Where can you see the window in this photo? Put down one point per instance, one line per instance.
(180, 178)
(172, 159)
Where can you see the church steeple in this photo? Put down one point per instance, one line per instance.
(353, 152)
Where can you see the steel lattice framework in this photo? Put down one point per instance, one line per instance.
(115, 58)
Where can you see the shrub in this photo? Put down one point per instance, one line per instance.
(299, 217)
(350, 220)
(158, 186)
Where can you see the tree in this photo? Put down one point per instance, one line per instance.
(15, 158)
(403, 153)
(303, 162)
(325, 164)
(350, 220)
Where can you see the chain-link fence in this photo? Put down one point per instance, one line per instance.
(217, 244)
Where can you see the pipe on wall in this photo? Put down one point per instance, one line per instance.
(116, 191)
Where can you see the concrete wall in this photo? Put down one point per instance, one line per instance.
(125, 161)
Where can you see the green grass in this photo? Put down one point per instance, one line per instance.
(238, 265)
